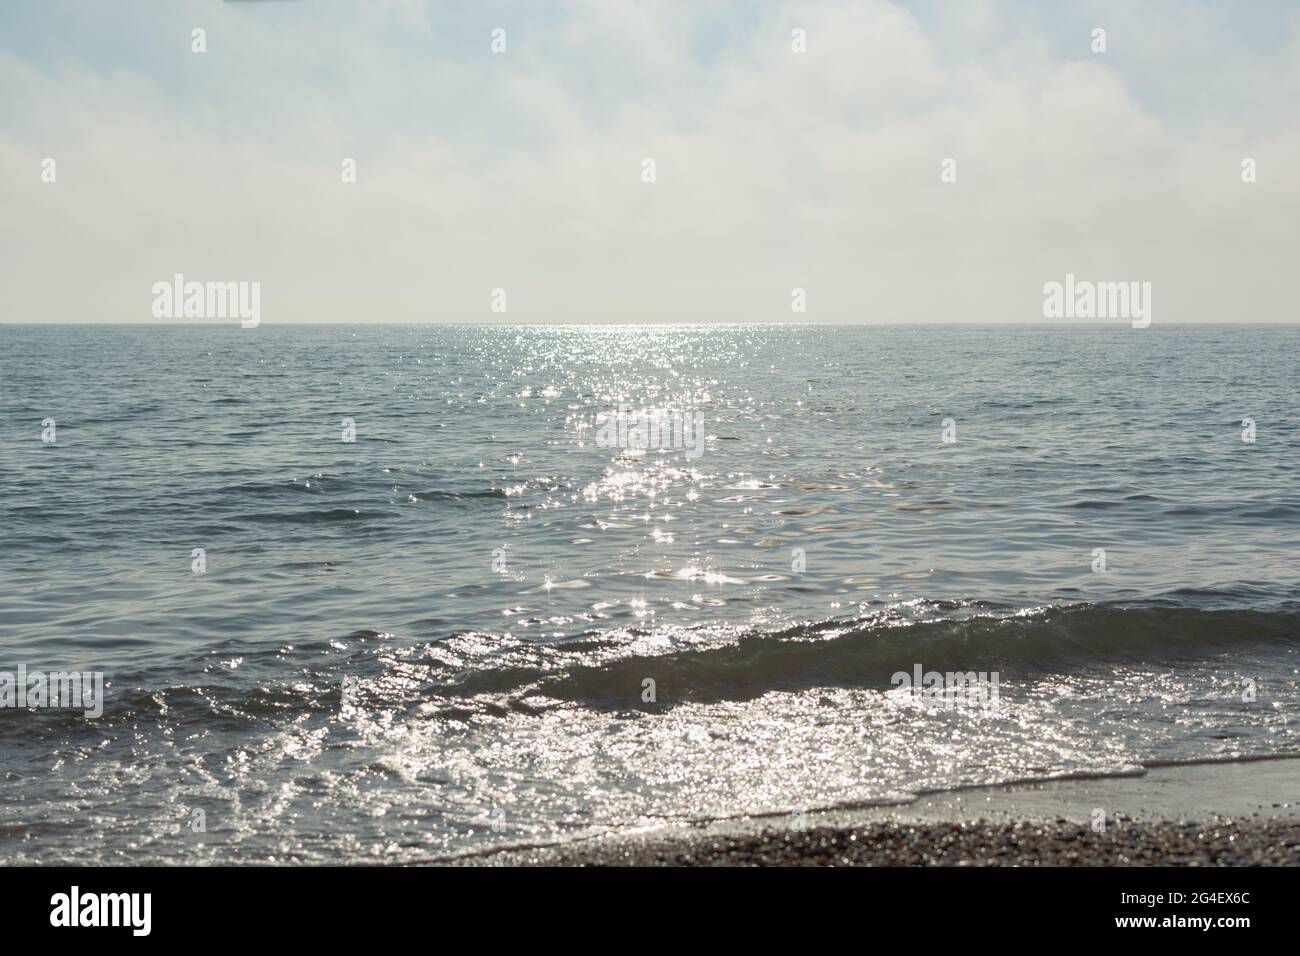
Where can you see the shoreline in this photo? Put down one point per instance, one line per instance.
(1231, 813)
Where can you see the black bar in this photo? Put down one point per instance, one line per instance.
(370, 905)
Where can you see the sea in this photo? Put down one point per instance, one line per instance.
(399, 594)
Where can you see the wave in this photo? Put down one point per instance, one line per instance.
(495, 675)
(866, 653)
(311, 517)
(440, 495)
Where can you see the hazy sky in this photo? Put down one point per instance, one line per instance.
(523, 170)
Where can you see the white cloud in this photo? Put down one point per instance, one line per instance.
(522, 170)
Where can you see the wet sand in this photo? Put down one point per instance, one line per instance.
(1225, 814)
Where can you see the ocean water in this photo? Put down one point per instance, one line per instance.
(437, 638)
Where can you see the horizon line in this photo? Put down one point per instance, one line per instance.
(669, 323)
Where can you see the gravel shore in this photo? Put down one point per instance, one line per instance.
(1218, 814)
(1057, 843)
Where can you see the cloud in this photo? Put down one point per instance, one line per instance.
(522, 170)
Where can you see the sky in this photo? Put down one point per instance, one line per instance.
(523, 170)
